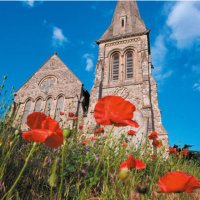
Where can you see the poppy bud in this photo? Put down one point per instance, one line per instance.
(16, 132)
(123, 174)
(66, 132)
(62, 113)
(71, 114)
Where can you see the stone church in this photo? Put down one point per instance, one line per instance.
(123, 68)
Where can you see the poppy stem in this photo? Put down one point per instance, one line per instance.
(9, 193)
(62, 170)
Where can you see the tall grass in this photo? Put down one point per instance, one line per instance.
(79, 171)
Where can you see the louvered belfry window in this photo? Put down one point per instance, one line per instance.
(129, 65)
(115, 66)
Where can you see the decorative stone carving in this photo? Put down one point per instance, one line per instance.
(121, 91)
(123, 42)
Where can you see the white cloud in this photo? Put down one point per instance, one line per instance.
(196, 86)
(89, 61)
(184, 20)
(29, 3)
(159, 52)
(58, 37)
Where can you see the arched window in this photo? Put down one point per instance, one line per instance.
(129, 65)
(115, 66)
(38, 105)
(59, 107)
(48, 106)
(27, 110)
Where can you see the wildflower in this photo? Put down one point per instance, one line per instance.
(85, 142)
(99, 130)
(92, 138)
(173, 151)
(114, 110)
(131, 162)
(157, 143)
(96, 157)
(86, 150)
(80, 127)
(131, 132)
(185, 152)
(75, 118)
(62, 113)
(153, 156)
(178, 181)
(71, 114)
(124, 144)
(153, 135)
(44, 130)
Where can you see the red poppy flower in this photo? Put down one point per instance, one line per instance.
(114, 110)
(173, 150)
(81, 127)
(157, 143)
(85, 142)
(153, 156)
(131, 132)
(185, 152)
(44, 130)
(62, 113)
(75, 118)
(71, 114)
(99, 130)
(92, 138)
(153, 135)
(178, 181)
(131, 162)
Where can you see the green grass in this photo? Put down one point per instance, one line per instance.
(89, 171)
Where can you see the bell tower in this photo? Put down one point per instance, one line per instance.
(124, 69)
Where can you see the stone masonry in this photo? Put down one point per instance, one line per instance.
(126, 34)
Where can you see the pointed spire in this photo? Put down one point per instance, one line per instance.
(126, 21)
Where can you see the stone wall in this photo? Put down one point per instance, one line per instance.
(140, 90)
(65, 84)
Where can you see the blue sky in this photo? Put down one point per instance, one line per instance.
(31, 31)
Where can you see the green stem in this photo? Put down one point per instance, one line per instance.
(102, 153)
(62, 170)
(9, 193)
(51, 193)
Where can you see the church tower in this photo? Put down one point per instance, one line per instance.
(124, 69)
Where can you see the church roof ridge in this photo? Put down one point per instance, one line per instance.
(54, 54)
